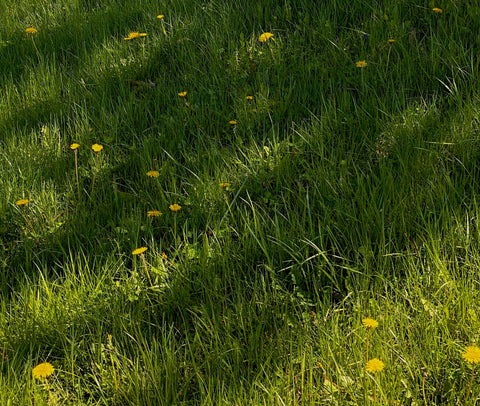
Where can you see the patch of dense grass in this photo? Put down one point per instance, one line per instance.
(313, 193)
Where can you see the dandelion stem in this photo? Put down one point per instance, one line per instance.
(95, 171)
(146, 268)
(76, 174)
(470, 385)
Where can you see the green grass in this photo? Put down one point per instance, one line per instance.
(352, 193)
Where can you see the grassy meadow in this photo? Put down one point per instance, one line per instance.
(306, 202)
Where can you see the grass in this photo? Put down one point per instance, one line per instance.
(339, 193)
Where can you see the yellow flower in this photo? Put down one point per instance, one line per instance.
(249, 98)
(139, 251)
(153, 174)
(182, 94)
(437, 10)
(97, 147)
(43, 370)
(22, 202)
(265, 36)
(361, 64)
(160, 16)
(224, 184)
(370, 323)
(175, 207)
(232, 122)
(375, 365)
(391, 41)
(153, 213)
(472, 354)
(134, 35)
(31, 30)
(164, 256)
(74, 146)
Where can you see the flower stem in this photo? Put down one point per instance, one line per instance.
(470, 386)
(76, 174)
(146, 268)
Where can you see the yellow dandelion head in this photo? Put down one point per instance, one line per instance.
(249, 98)
(153, 174)
(31, 30)
(472, 354)
(134, 35)
(175, 207)
(182, 94)
(265, 36)
(160, 16)
(139, 251)
(97, 147)
(375, 365)
(370, 323)
(43, 370)
(164, 256)
(361, 64)
(74, 146)
(391, 41)
(153, 213)
(22, 202)
(437, 10)
(224, 185)
(232, 122)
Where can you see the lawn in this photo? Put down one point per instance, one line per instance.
(239, 203)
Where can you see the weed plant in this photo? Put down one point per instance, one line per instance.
(307, 166)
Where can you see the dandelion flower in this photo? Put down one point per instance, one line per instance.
(97, 147)
(22, 202)
(74, 146)
(153, 213)
(472, 354)
(160, 16)
(139, 251)
(361, 64)
(43, 370)
(182, 94)
(370, 323)
(175, 207)
(265, 36)
(134, 35)
(375, 365)
(224, 185)
(249, 98)
(437, 10)
(153, 174)
(164, 256)
(391, 41)
(232, 122)
(31, 30)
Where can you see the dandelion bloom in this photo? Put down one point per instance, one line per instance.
(43, 370)
(31, 30)
(97, 147)
(249, 98)
(361, 64)
(153, 174)
(265, 36)
(370, 323)
(164, 256)
(139, 251)
(224, 184)
(175, 207)
(153, 213)
(391, 41)
(437, 10)
(22, 202)
(232, 122)
(375, 365)
(160, 16)
(472, 354)
(134, 35)
(182, 94)
(74, 146)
